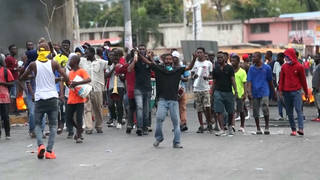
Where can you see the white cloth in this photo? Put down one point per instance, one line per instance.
(45, 81)
(277, 70)
(202, 69)
(96, 70)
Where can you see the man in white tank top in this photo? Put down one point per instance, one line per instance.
(46, 97)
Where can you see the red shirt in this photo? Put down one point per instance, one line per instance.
(292, 76)
(130, 79)
(12, 65)
(4, 91)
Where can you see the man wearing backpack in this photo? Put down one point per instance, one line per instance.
(6, 80)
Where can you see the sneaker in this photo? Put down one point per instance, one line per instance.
(280, 119)
(70, 135)
(50, 155)
(59, 131)
(89, 131)
(183, 128)
(300, 132)
(200, 130)
(177, 146)
(266, 132)
(241, 129)
(237, 119)
(139, 132)
(230, 131)
(32, 135)
(79, 141)
(41, 150)
(8, 137)
(128, 131)
(293, 133)
(316, 119)
(145, 132)
(110, 121)
(99, 130)
(149, 129)
(259, 132)
(221, 133)
(112, 125)
(156, 143)
(119, 126)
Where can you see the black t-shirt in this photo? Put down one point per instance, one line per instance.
(143, 76)
(168, 81)
(223, 78)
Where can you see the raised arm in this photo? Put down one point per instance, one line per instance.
(192, 62)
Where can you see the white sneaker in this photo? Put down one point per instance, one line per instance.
(221, 133)
(242, 130)
(238, 118)
(119, 126)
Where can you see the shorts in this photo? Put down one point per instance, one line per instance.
(239, 105)
(202, 100)
(223, 101)
(263, 103)
(316, 95)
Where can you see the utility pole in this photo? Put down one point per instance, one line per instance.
(127, 24)
(77, 26)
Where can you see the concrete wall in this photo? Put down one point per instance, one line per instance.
(110, 32)
(174, 33)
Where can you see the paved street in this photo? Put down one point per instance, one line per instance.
(115, 155)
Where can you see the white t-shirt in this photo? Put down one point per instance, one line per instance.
(202, 69)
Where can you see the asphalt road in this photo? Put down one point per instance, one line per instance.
(115, 155)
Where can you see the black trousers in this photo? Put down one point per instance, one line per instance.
(116, 106)
(79, 110)
(4, 112)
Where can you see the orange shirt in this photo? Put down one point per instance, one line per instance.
(74, 98)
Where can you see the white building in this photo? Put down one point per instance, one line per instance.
(226, 33)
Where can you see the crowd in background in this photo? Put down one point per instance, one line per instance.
(68, 89)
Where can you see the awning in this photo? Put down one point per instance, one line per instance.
(97, 42)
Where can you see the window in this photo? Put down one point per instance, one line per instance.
(259, 28)
(223, 27)
(91, 36)
(299, 25)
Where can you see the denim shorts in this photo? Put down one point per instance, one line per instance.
(223, 101)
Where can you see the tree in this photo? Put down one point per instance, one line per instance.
(220, 5)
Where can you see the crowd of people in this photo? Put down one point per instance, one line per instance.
(68, 89)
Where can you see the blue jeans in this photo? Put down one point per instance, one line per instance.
(49, 107)
(142, 105)
(30, 105)
(292, 100)
(281, 105)
(163, 107)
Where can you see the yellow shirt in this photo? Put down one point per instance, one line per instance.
(61, 59)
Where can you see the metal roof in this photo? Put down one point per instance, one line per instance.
(302, 16)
